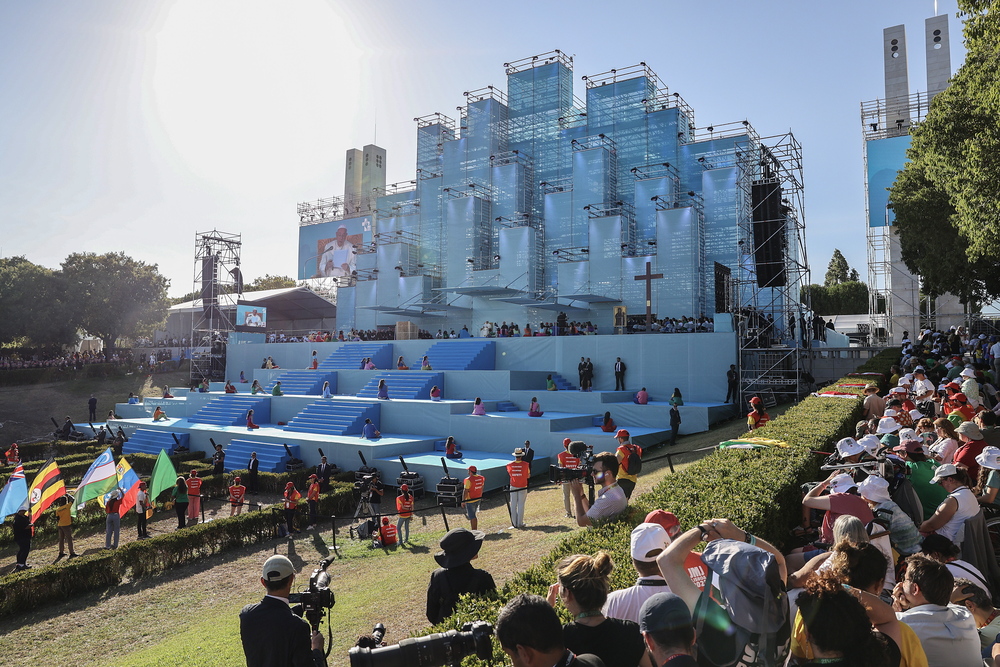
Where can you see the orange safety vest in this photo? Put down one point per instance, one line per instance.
(236, 493)
(292, 499)
(567, 460)
(404, 507)
(313, 493)
(474, 487)
(755, 421)
(519, 472)
(194, 485)
(387, 533)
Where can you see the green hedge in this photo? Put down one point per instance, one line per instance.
(22, 376)
(24, 591)
(758, 489)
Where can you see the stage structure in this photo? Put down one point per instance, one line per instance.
(896, 304)
(219, 279)
(535, 202)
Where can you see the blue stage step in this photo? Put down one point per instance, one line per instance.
(305, 382)
(348, 357)
(404, 384)
(562, 383)
(272, 457)
(231, 410)
(465, 355)
(506, 406)
(151, 441)
(333, 417)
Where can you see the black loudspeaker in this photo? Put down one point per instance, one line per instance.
(209, 282)
(768, 234)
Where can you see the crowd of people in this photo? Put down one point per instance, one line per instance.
(67, 361)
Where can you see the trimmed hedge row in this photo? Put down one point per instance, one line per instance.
(758, 489)
(21, 376)
(24, 591)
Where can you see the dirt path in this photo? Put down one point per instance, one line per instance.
(189, 616)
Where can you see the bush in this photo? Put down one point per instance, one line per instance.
(758, 489)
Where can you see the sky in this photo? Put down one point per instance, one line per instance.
(131, 126)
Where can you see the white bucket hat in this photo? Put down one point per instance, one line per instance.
(989, 458)
(887, 425)
(870, 443)
(907, 434)
(849, 447)
(875, 489)
(842, 483)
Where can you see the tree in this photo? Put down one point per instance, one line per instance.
(34, 305)
(114, 295)
(837, 271)
(847, 298)
(270, 282)
(946, 200)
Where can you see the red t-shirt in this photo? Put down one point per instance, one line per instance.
(966, 455)
(519, 472)
(840, 504)
(387, 533)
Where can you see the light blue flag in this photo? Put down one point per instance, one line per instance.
(15, 493)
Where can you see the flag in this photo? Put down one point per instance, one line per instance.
(128, 484)
(98, 480)
(164, 475)
(15, 493)
(48, 486)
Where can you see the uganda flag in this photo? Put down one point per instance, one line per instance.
(48, 486)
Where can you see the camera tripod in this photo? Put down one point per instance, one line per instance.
(364, 508)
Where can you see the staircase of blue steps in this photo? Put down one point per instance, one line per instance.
(348, 357)
(333, 417)
(562, 383)
(151, 441)
(471, 355)
(231, 410)
(404, 384)
(272, 457)
(506, 406)
(304, 382)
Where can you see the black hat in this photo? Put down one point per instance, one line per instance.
(459, 547)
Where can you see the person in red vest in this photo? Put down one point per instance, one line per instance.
(519, 472)
(236, 494)
(291, 503)
(13, 455)
(404, 508)
(312, 497)
(567, 460)
(113, 523)
(629, 457)
(387, 533)
(757, 416)
(194, 496)
(473, 494)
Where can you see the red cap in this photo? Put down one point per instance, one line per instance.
(404, 487)
(472, 469)
(290, 485)
(236, 480)
(622, 433)
(755, 400)
(194, 473)
(960, 397)
(566, 442)
(385, 521)
(953, 385)
(668, 520)
(313, 477)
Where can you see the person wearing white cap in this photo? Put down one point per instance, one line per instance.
(842, 499)
(647, 542)
(970, 387)
(339, 257)
(961, 504)
(887, 428)
(902, 531)
(270, 632)
(989, 476)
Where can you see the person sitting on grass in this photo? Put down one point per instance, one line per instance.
(159, 414)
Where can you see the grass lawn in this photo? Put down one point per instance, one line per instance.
(189, 615)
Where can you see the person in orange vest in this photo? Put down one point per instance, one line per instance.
(757, 416)
(519, 472)
(567, 460)
(404, 508)
(236, 494)
(312, 497)
(629, 457)
(291, 502)
(472, 495)
(13, 455)
(387, 533)
(194, 496)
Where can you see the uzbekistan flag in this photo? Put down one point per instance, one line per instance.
(128, 482)
(100, 478)
(48, 486)
(15, 493)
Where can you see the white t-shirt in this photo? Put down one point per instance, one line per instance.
(626, 603)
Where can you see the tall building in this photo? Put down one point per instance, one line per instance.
(896, 304)
(535, 202)
(364, 176)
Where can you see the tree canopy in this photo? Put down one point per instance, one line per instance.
(946, 199)
(270, 282)
(842, 293)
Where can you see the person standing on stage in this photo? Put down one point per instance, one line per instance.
(733, 382)
(519, 472)
(620, 374)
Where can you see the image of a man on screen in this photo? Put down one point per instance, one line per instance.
(338, 258)
(253, 319)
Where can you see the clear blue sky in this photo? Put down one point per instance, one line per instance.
(130, 126)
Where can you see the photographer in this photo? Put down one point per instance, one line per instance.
(272, 635)
(610, 501)
(376, 489)
(530, 633)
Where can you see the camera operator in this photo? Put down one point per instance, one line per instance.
(272, 635)
(376, 489)
(530, 633)
(610, 501)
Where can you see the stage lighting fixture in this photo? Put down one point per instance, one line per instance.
(374, 270)
(690, 193)
(650, 242)
(710, 128)
(746, 123)
(874, 127)
(585, 250)
(701, 159)
(899, 123)
(399, 268)
(471, 261)
(496, 258)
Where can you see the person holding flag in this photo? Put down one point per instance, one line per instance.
(22, 537)
(14, 500)
(237, 492)
(164, 476)
(194, 496)
(64, 520)
(142, 504)
(113, 524)
(45, 489)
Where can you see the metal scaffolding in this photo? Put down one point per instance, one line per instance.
(219, 280)
(771, 358)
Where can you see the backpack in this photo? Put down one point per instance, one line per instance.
(753, 608)
(631, 462)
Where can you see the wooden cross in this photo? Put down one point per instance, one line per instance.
(649, 278)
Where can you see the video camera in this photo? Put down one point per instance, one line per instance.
(311, 603)
(364, 485)
(582, 451)
(440, 648)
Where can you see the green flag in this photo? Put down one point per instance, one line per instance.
(164, 475)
